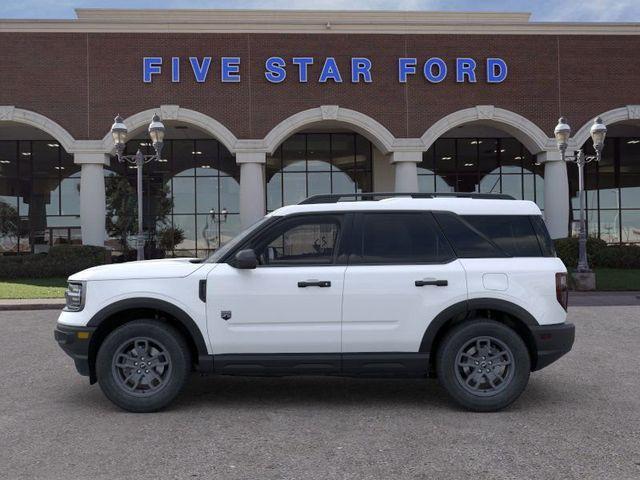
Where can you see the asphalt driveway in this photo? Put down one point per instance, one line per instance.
(579, 418)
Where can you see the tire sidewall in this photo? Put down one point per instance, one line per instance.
(177, 350)
(457, 338)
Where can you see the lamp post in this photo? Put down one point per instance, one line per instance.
(562, 133)
(210, 230)
(119, 133)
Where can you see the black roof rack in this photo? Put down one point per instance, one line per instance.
(373, 196)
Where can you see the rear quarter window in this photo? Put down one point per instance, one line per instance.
(515, 234)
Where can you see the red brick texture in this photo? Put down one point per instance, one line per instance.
(81, 80)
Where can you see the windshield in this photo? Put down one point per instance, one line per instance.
(235, 241)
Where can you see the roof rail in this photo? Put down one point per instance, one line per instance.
(373, 196)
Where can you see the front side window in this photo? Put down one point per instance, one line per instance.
(403, 238)
(302, 242)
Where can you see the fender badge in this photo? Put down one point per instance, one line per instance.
(225, 314)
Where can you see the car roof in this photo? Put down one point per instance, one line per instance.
(461, 206)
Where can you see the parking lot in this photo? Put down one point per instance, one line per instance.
(579, 418)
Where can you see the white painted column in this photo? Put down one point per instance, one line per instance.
(406, 170)
(252, 187)
(556, 194)
(92, 197)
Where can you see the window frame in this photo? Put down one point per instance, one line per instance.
(357, 248)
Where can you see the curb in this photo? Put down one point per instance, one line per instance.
(17, 305)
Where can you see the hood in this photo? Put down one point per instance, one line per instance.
(166, 268)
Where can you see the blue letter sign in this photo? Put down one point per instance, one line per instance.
(496, 70)
(275, 69)
(151, 66)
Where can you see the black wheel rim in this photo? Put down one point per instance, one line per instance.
(484, 366)
(141, 366)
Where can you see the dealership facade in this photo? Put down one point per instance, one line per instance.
(264, 108)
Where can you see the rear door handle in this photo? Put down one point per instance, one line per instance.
(437, 283)
(314, 283)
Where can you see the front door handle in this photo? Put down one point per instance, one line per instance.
(314, 283)
(429, 281)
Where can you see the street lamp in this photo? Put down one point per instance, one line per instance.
(119, 133)
(562, 133)
(210, 230)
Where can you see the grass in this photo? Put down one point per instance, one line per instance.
(617, 279)
(33, 288)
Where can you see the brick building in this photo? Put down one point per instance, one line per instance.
(264, 108)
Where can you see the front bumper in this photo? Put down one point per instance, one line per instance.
(552, 342)
(75, 343)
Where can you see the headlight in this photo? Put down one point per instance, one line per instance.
(74, 296)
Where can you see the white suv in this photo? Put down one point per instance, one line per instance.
(463, 287)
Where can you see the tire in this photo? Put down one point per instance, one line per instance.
(501, 355)
(140, 383)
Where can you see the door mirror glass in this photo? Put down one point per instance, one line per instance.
(246, 259)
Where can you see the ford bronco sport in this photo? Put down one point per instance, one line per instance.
(466, 288)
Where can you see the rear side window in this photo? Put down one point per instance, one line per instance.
(512, 233)
(546, 244)
(403, 238)
(467, 241)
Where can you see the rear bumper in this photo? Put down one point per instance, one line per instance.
(75, 343)
(552, 342)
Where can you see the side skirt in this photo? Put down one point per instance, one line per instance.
(376, 364)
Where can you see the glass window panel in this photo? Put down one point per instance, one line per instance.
(629, 155)
(343, 182)
(294, 187)
(207, 194)
(24, 159)
(8, 159)
(445, 149)
(467, 183)
(529, 190)
(511, 155)
(183, 191)
(467, 151)
(45, 159)
(230, 194)
(609, 198)
(318, 183)
(293, 153)
(45, 196)
(630, 196)
(512, 185)
(363, 180)
(426, 183)
(488, 154)
(631, 226)
(59, 236)
(183, 157)
(208, 233)
(490, 184)
(427, 163)
(512, 233)
(188, 224)
(445, 184)
(318, 152)
(8, 191)
(65, 221)
(274, 192)
(67, 167)
(539, 191)
(70, 196)
(363, 153)
(207, 156)
(312, 242)
(230, 228)
(273, 164)
(610, 225)
(343, 151)
(228, 164)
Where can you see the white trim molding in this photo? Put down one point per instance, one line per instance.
(523, 129)
(629, 112)
(179, 114)
(373, 130)
(10, 113)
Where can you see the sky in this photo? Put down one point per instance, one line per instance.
(542, 10)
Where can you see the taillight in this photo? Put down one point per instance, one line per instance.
(562, 289)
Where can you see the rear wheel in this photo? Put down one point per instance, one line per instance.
(143, 365)
(484, 365)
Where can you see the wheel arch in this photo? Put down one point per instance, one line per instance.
(124, 311)
(505, 312)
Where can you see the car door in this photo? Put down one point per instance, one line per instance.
(290, 303)
(402, 273)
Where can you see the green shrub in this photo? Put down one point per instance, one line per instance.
(61, 261)
(567, 249)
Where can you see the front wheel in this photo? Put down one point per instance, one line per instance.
(143, 365)
(484, 365)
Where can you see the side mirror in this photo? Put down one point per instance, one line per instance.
(246, 259)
